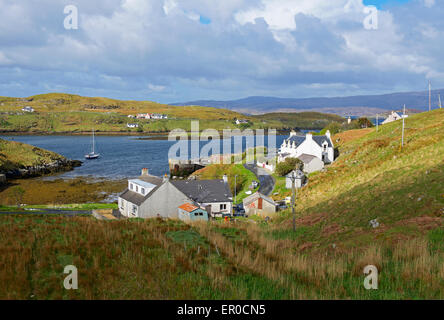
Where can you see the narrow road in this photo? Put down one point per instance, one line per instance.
(265, 179)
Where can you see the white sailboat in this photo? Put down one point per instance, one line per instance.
(92, 155)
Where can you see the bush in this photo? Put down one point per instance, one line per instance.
(290, 164)
(333, 127)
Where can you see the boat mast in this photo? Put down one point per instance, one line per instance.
(93, 142)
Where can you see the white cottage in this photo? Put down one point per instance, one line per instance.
(318, 146)
(394, 116)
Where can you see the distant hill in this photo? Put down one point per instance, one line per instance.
(353, 105)
(73, 114)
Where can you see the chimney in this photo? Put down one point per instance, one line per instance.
(328, 134)
(225, 178)
(309, 136)
(292, 133)
(165, 177)
(144, 172)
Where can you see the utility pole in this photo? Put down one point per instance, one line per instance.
(235, 189)
(293, 178)
(430, 95)
(403, 126)
(377, 122)
(293, 200)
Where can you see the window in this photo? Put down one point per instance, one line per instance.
(121, 203)
(134, 210)
(223, 207)
(131, 186)
(137, 188)
(143, 191)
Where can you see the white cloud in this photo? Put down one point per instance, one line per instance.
(156, 88)
(429, 3)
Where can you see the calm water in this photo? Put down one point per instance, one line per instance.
(121, 156)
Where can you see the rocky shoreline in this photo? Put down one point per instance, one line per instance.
(61, 165)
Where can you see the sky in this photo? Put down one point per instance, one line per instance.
(183, 50)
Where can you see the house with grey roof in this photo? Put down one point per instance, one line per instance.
(152, 197)
(311, 163)
(299, 181)
(319, 146)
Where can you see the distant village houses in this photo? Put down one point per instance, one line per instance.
(154, 116)
(151, 197)
(318, 146)
(132, 125)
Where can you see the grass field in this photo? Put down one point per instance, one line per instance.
(251, 259)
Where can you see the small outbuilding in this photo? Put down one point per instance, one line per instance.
(259, 204)
(299, 181)
(311, 163)
(189, 212)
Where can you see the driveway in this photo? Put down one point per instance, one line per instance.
(266, 180)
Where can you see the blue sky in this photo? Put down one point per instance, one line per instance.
(182, 50)
(381, 3)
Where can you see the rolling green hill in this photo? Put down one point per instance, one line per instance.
(311, 120)
(65, 113)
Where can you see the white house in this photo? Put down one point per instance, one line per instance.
(318, 146)
(28, 109)
(151, 197)
(241, 121)
(394, 116)
(132, 125)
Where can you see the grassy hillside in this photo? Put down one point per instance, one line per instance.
(15, 155)
(243, 180)
(323, 259)
(311, 120)
(65, 113)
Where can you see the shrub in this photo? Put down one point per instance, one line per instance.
(290, 164)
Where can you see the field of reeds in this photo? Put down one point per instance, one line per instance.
(158, 259)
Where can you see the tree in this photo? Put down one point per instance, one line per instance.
(17, 194)
(290, 164)
(365, 123)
